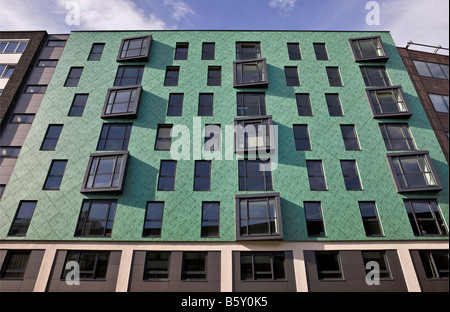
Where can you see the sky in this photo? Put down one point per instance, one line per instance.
(420, 21)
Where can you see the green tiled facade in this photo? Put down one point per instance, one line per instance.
(56, 213)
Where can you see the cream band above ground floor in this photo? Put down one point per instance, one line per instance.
(301, 254)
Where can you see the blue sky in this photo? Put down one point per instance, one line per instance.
(417, 20)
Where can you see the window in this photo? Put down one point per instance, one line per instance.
(22, 218)
(413, 171)
(350, 138)
(6, 71)
(258, 217)
(9, 47)
(440, 102)
(35, 89)
(73, 77)
(134, 49)
(397, 137)
(163, 138)
(194, 265)
(255, 175)
(303, 104)
(251, 104)
(56, 43)
(9, 152)
(210, 219)
(47, 63)
(114, 137)
(433, 70)
(122, 102)
(294, 51)
(172, 74)
(260, 265)
(301, 136)
(181, 51)
(316, 175)
(96, 218)
(291, 75)
(252, 134)
(314, 219)
(78, 105)
(22, 118)
(105, 172)
(208, 50)
(51, 137)
(15, 264)
(175, 107)
(96, 52)
(351, 175)
(368, 49)
(214, 76)
(250, 73)
(212, 138)
(157, 265)
(205, 104)
(2, 189)
(375, 76)
(379, 256)
(55, 175)
(153, 219)
(167, 172)
(370, 219)
(425, 217)
(248, 50)
(202, 175)
(129, 76)
(334, 77)
(328, 265)
(435, 263)
(93, 265)
(388, 102)
(334, 105)
(321, 51)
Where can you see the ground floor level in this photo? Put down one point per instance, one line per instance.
(401, 266)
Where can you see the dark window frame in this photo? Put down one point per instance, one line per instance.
(206, 110)
(304, 128)
(208, 55)
(430, 73)
(17, 118)
(74, 107)
(431, 268)
(331, 99)
(181, 51)
(368, 221)
(163, 275)
(173, 176)
(417, 220)
(395, 175)
(40, 89)
(194, 275)
(294, 51)
(41, 63)
(334, 76)
(291, 81)
(240, 55)
(304, 107)
(313, 222)
(147, 230)
(352, 176)
(94, 159)
(73, 80)
(143, 54)
(278, 235)
(6, 270)
(46, 138)
(169, 80)
(265, 175)
(322, 274)
(371, 81)
(197, 175)
(382, 260)
(313, 176)
(213, 80)
(133, 102)
(321, 55)
(214, 142)
(51, 175)
(105, 136)
(242, 108)
(261, 72)
(406, 140)
(207, 224)
(93, 271)
(175, 104)
(95, 55)
(19, 226)
(160, 138)
(351, 143)
(273, 268)
(398, 97)
(83, 219)
(357, 51)
(121, 76)
(242, 123)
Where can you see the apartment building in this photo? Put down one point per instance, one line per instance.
(291, 161)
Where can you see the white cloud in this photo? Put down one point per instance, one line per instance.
(179, 9)
(51, 15)
(284, 7)
(420, 21)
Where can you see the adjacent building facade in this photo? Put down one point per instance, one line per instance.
(227, 161)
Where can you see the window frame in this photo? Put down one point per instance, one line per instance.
(302, 127)
(41, 89)
(76, 107)
(21, 222)
(311, 176)
(206, 55)
(17, 48)
(436, 216)
(174, 104)
(273, 267)
(5, 266)
(345, 175)
(199, 176)
(434, 269)
(304, 110)
(407, 136)
(158, 137)
(289, 79)
(181, 55)
(262, 73)
(358, 58)
(211, 80)
(396, 92)
(83, 218)
(94, 271)
(242, 107)
(315, 221)
(214, 142)
(330, 99)
(383, 262)
(45, 139)
(173, 177)
(445, 74)
(53, 175)
(266, 175)
(72, 81)
(94, 53)
(204, 232)
(172, 81)
(209, 108)
(121, 172)
(370, 83)
(334, 76)
(240, 53)
(321, 53)
(120, 76)
(144, 53)
(125, 139)
(150, 220)
(294, 55)
(267, 146)
(148, 271)
(446, 103)
(134, 104)
(350, 141)
(371, 219)
(277, 217)
(187, 275)
(53, 62)
(321, 272)
(390, 160)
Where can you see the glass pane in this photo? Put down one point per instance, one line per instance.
(98, 211)
(422, 68)
(436, 70)
(210, 211)
(246, 266)
(154, 211)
